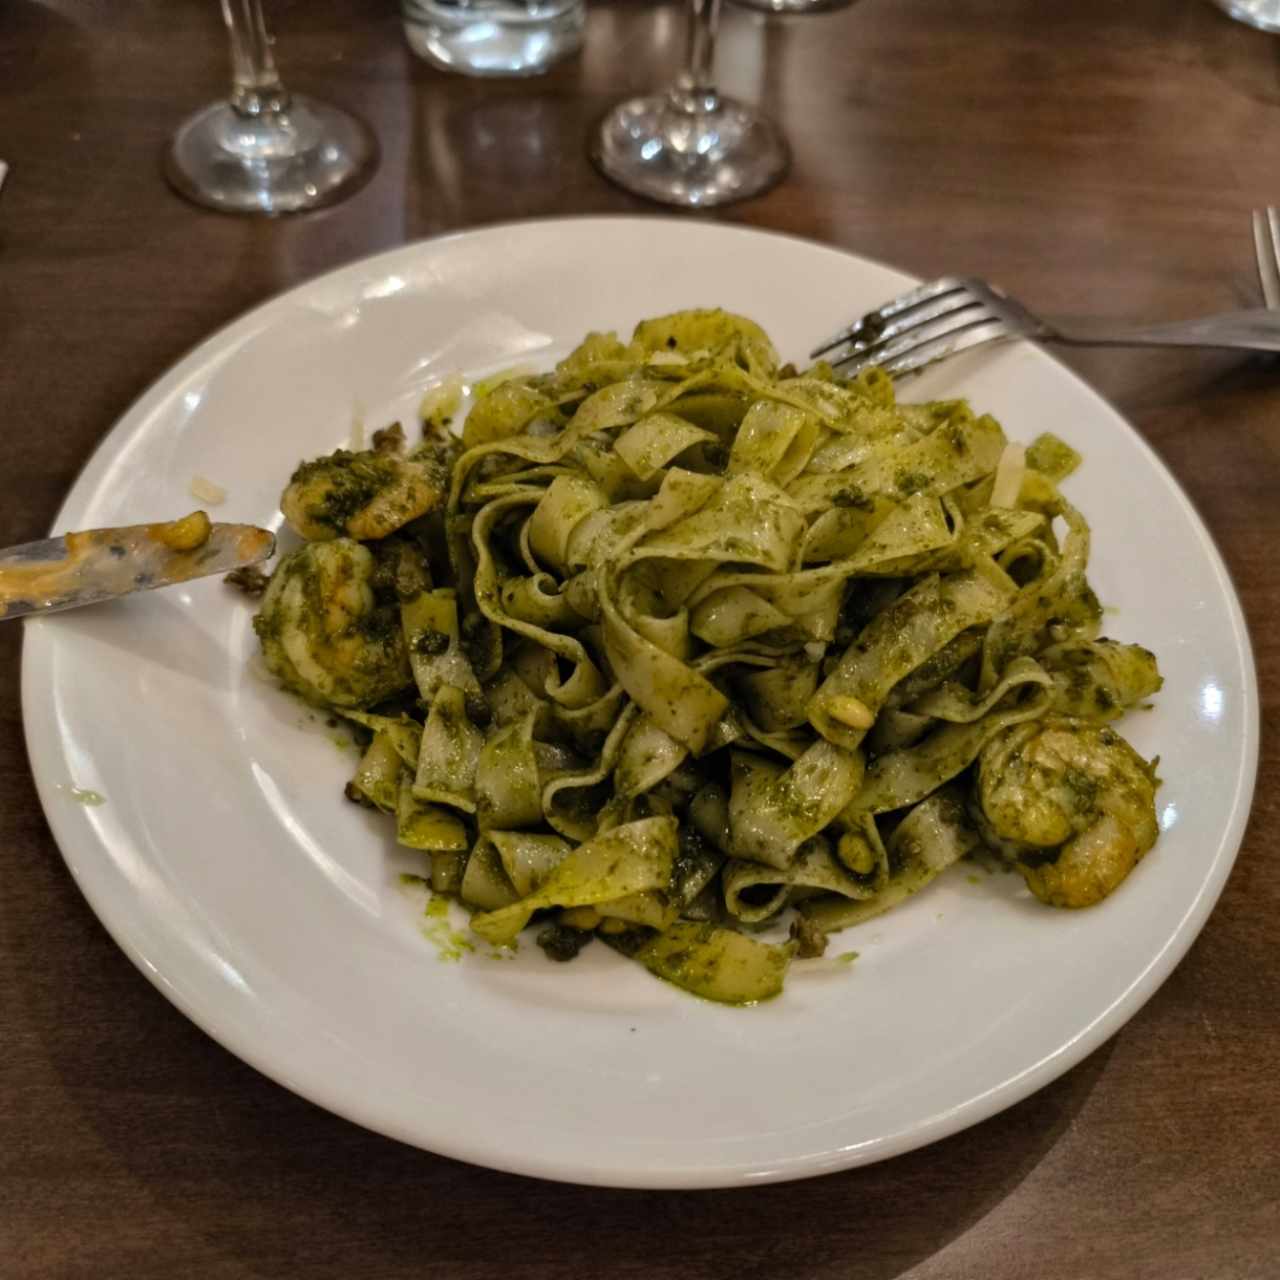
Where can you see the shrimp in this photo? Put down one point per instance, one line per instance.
(1071, 802)
(324, 631)
(1099, 679)
(362, 495)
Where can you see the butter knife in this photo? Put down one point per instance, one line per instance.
(101, 564)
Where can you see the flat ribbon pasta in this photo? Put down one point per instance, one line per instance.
(679, 641)
(626, 860)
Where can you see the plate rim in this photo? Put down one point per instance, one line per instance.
(76, 843)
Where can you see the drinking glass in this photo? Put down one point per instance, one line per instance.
(494, 37)
(691, 146)
(1263, 14)
(793, 7)
(266, 150)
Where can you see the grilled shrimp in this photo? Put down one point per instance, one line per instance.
(362, 495)
(324, 632)
(1071, 802)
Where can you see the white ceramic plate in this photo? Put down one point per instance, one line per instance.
(226, 864)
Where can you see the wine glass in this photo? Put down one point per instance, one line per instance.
(691, 146)
(266, 150)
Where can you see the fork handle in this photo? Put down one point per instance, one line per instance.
(1253, 330)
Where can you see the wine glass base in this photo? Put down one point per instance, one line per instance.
(1263, 14)
(692, 158)
(305, 157)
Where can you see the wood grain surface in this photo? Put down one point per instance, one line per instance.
(1093, 157)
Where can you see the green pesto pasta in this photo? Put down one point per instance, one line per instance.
(707, 657)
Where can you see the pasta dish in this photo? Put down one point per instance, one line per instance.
(679, 648)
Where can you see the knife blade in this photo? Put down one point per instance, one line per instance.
(100, 564)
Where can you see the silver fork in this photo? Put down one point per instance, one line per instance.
(951, 315)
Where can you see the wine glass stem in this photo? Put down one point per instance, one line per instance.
(695, 89)
(256, 88)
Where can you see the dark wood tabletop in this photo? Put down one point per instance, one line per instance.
(1094, 156)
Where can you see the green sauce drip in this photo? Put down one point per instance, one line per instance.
(450, 945)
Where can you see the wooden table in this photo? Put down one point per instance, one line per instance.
(1096, 156)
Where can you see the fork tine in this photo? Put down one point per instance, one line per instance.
(896, 306)
(902, 344)
(915, 355)
(907, 323)
(1266, 245)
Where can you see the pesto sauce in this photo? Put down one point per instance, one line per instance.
(343, 484)
(450, 945)
(82, 795)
